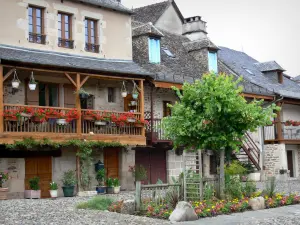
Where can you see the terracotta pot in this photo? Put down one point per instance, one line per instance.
(36, 119)
(139, 125)
(89, 118)
(3, 193)
(10, 119)
(32, 194)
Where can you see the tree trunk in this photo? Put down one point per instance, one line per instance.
(201, 174)
(222, 173)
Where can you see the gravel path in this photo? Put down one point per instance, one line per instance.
(63, 211)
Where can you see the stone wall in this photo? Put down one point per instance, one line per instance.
(127, 158)
(274, 158)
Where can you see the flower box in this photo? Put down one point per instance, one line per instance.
(11, 118)
(100, 123)
(37, 119)
(61, 122)
(87, 117)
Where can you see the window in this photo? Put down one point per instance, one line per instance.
(91, 42)
(65, 31)
(168, 52)
(36, 25)
(111, 96)
(213, 62)
(87, 103)
(167, 110)
(48, 94)
(154, 50)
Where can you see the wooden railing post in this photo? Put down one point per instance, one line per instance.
(1, 99)
(78, 106)
(142, 104)
(278, 124)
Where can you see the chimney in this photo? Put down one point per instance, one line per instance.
(194, 28)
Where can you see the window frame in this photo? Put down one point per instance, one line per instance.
(89, 46)
(62, 40)
(34, 35)
(154, 46)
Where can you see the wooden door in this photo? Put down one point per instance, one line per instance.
(42, 168)
(111, 162)
(69, 96)
(290, 162)
(142, 158)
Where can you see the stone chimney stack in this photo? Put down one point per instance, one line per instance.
(194, 28)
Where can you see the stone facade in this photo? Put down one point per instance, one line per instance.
(274, 158)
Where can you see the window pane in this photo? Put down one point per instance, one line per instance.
(59, 17)
(38, 30)
(30, 11)
(93, 33)
(86, 39)
(38, 13)
(59, 26)
(66, 19)
(93, 40)
(30, 28)
(38, 22)
(66, 35)
(59, 33)
(66, 27)
(86, 23)
(30, 20)
(92, 24)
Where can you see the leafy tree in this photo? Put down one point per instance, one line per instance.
(212, 114)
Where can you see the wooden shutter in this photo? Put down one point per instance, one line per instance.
(32, 97)
(69, 96)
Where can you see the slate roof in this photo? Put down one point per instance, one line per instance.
(55, 59)
(150, 13)
(246, 66)
(269, 66)
(200, 44)
(145, 29)
(297, 78)
(109, 4)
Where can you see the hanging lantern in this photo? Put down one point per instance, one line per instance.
(15, 82)
(32, 83)
(123, 90)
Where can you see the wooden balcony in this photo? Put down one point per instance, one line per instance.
(155, 133)
(288, 134)
(27, 124)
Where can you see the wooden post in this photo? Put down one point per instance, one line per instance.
(138, 190)
(142, 104)
(152, 114)
(200, 174)
(1, 99)
(78, 106)
(278, 124)
(222, 173)
(184, 175)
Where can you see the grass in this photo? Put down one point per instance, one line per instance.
(96, 203)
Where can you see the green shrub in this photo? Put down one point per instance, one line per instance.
(116, 182)
(110, 182)
(34, 183)
(69, 178)
(235, 168)
(233, 188)
(249, 188)
(96, 203)
(100, 177)
(208, 192)
(173, 196)
(270, 187)
(140, 173)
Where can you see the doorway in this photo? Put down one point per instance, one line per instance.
(290, 162)
(111, 162)
(42, 168)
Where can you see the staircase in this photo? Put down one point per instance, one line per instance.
(249, 152)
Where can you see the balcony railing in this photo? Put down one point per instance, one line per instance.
(40, 119)
(156, 133)
(65, 43)
(288, 132)
(37, 38)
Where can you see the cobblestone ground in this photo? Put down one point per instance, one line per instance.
(62, 211)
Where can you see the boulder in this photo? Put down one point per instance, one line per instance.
(183, 212)
(257, 203)
(128, 207)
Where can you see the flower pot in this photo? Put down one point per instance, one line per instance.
(26, 115)
(61, 122)
(131, 120)
(3, 193)
(15, 84)
(89, 118)
(9, 118)
(100, 123)
(83, 96)
(133, 103)
(68, 191)
(135, 95)
(32, 87)
(109, 190)
(53, 193)
(139, 125)
(101, 190)
(117, 190)
(37, 119)
(32, 194)
(124, 94)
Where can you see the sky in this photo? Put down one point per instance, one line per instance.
(264, 29)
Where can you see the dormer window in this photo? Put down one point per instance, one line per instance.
(154, 50)
(213, 62)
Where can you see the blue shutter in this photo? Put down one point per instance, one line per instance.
(154, 50)
(213, 62)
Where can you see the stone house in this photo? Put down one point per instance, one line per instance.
(176, 50)
(65, 46)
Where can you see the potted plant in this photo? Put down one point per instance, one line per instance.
(32, 83)
(88, 115)
(123, 90)
(51, 113)
(83, 94)
(288, 123)
(53, 189)
(141, 123)
(101, 120)
(61, 119)
(26, 112)
(3, 191)
(39, 116)
(117, 186)
(139, 173)
(130, 118)
(100, 177)
(34, 191)
(12, 115)
(110, 186)
(69, 181)
(135, 92)
(15, 82)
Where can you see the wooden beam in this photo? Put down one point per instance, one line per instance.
(278, 123)
(84, 80)
(71, 80)
(160, 84)
(78, 105)
(1, 100)
(99, 76)
(266, 97)
(142, 103)
(291, 101)
(8, 74)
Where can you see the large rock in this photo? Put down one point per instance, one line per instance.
(257, 203)
(183, 212)
(128, 207)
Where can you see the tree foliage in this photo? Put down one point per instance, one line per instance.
(212, 114)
